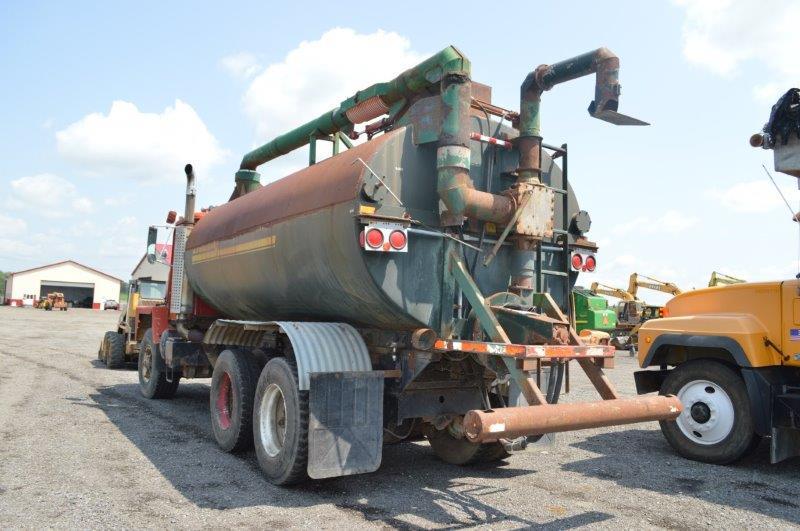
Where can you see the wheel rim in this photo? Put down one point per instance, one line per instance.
(708, 414)
(225, 402)
(273, 420)
(147, 363)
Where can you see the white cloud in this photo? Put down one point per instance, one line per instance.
(317, 75)
(11, 226)
(755, 197)
(720, 35)
(146, 146)
(47, 195)
(16, 248)
(671, 222)
(243, 65)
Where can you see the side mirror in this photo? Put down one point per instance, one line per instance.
(152, 237)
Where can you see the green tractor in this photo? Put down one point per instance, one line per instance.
(592, 314)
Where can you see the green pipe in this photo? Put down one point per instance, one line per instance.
(453, 160)
(419, 79)
(601, 61)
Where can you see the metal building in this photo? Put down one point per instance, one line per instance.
(81, 285)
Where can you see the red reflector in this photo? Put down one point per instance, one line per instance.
(397, 239)
(374, 238)
(577, 261)
(361, 239)
(591, 263)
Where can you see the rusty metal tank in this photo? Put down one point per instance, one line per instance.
(291, 250)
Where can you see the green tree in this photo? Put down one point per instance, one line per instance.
(3, 276)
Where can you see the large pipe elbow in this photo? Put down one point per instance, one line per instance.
(458, 194)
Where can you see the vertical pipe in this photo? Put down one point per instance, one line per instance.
(565, 227)
(312, 150)
(453, 160)
(187, 295)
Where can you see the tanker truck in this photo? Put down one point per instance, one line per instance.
(413, 285)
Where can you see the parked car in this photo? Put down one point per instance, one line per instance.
(111, 304)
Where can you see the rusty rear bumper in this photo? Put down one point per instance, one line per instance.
(511, 422)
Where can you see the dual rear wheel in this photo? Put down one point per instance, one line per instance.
(263, 408)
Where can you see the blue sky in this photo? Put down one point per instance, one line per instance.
(103, 102)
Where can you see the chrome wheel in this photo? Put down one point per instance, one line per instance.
(273, 420)
(708, 412)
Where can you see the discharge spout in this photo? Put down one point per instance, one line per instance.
(601, 62)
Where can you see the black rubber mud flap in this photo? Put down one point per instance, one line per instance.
(345, 425)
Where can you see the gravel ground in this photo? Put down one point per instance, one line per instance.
(81, 448)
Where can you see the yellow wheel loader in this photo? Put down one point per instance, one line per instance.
(731, 354)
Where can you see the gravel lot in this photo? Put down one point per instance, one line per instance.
(81, 448)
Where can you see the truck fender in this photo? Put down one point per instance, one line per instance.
(699, 341)
(317, 347)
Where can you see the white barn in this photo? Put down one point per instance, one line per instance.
(80, 284)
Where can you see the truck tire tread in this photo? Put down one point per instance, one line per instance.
(114, 350)
(243, 373)
(157, 387)
(741, 441)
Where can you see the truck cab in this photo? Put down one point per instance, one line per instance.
(731, 354)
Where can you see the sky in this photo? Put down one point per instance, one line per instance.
(104, 102)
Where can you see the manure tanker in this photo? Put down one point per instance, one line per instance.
(413, 285)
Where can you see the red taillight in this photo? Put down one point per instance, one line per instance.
(577, 261)
(397, 239)
(591, 263)
(374, 238)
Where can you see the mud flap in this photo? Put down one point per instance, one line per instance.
(345, 425)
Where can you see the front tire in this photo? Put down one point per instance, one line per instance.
(233, 386)
(280, 423)
(152, 371)
(716, 425)
(113, 350)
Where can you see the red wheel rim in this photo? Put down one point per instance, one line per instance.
(225, 401)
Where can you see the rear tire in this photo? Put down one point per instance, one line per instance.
(716, 425)
(233, 388)
(152, 371)
(460, 451)
(114, 350)
(280, 423)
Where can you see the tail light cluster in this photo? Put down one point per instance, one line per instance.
(583, 262)
(384, 237)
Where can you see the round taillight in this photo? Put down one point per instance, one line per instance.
(374, 238)
(397, 239)
(577, 261)
(591, 263)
